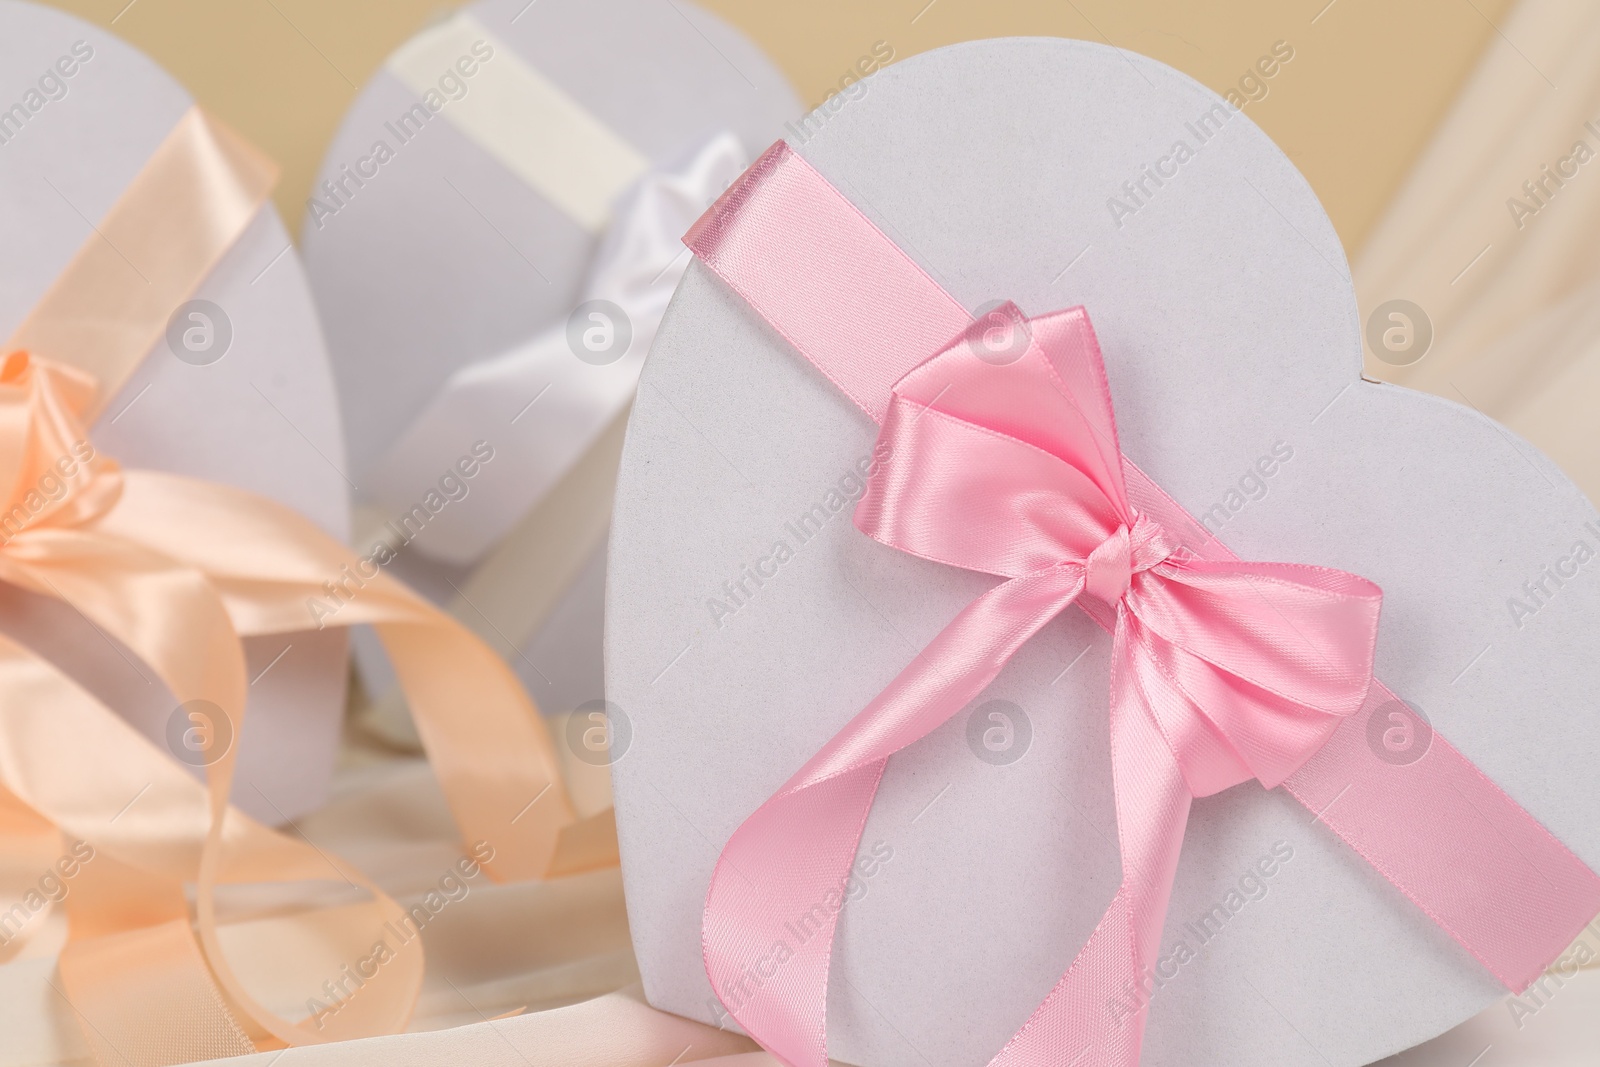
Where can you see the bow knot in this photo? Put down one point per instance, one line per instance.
(56, 478)
(1111, 567)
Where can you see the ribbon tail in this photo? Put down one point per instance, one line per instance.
(490, 748)
(1444, 834)
(151, 827)
(773, 903)
(1096, 1013)
(499, 772)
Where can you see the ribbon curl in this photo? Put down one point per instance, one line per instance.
(177, 571)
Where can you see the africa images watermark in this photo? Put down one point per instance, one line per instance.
(1538, 191)
(52, 887)
(338, 191)
(851, 87)
(1252, 485)
(452, 886)
(739, 590)
(403, 529)
(1542, 588)
(47, 88)
(1537, 996)
(1250, 887)
(50, 487)
(801, 929)
(1153, 176)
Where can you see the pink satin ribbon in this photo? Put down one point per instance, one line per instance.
(1222, 670)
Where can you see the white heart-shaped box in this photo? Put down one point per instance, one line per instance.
(445, 256)
(262, 417)
(1224, 307)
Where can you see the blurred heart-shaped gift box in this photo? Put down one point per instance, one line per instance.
(236, 389)
(492, 239)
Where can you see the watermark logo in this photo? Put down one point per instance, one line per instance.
(599, 733)
(599, 332)
(1399, 332)
(199, 333)
(199, 733)
(999, 732)
(1398, 733)
(1000, 335)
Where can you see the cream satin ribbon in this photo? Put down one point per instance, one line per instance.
(520, 117)
(544, 403)
(178, 571)
(181, 212)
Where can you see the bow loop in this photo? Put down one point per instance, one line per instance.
(967, 495)
(999, 455)
(974, 479)
(1054, 361)
(1308, 634)
(1247, 668)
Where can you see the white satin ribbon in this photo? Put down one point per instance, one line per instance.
(541, 405)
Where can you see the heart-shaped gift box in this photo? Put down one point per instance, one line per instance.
(1058, 173)
(455, 219)
(259, 414)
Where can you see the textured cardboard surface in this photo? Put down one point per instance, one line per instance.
(1224, 307)
(262, 417)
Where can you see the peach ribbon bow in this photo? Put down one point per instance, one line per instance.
(177, 571)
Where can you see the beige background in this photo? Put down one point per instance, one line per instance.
(1369, 81)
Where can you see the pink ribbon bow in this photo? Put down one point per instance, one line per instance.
(1238, 670)
(1221, 670)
